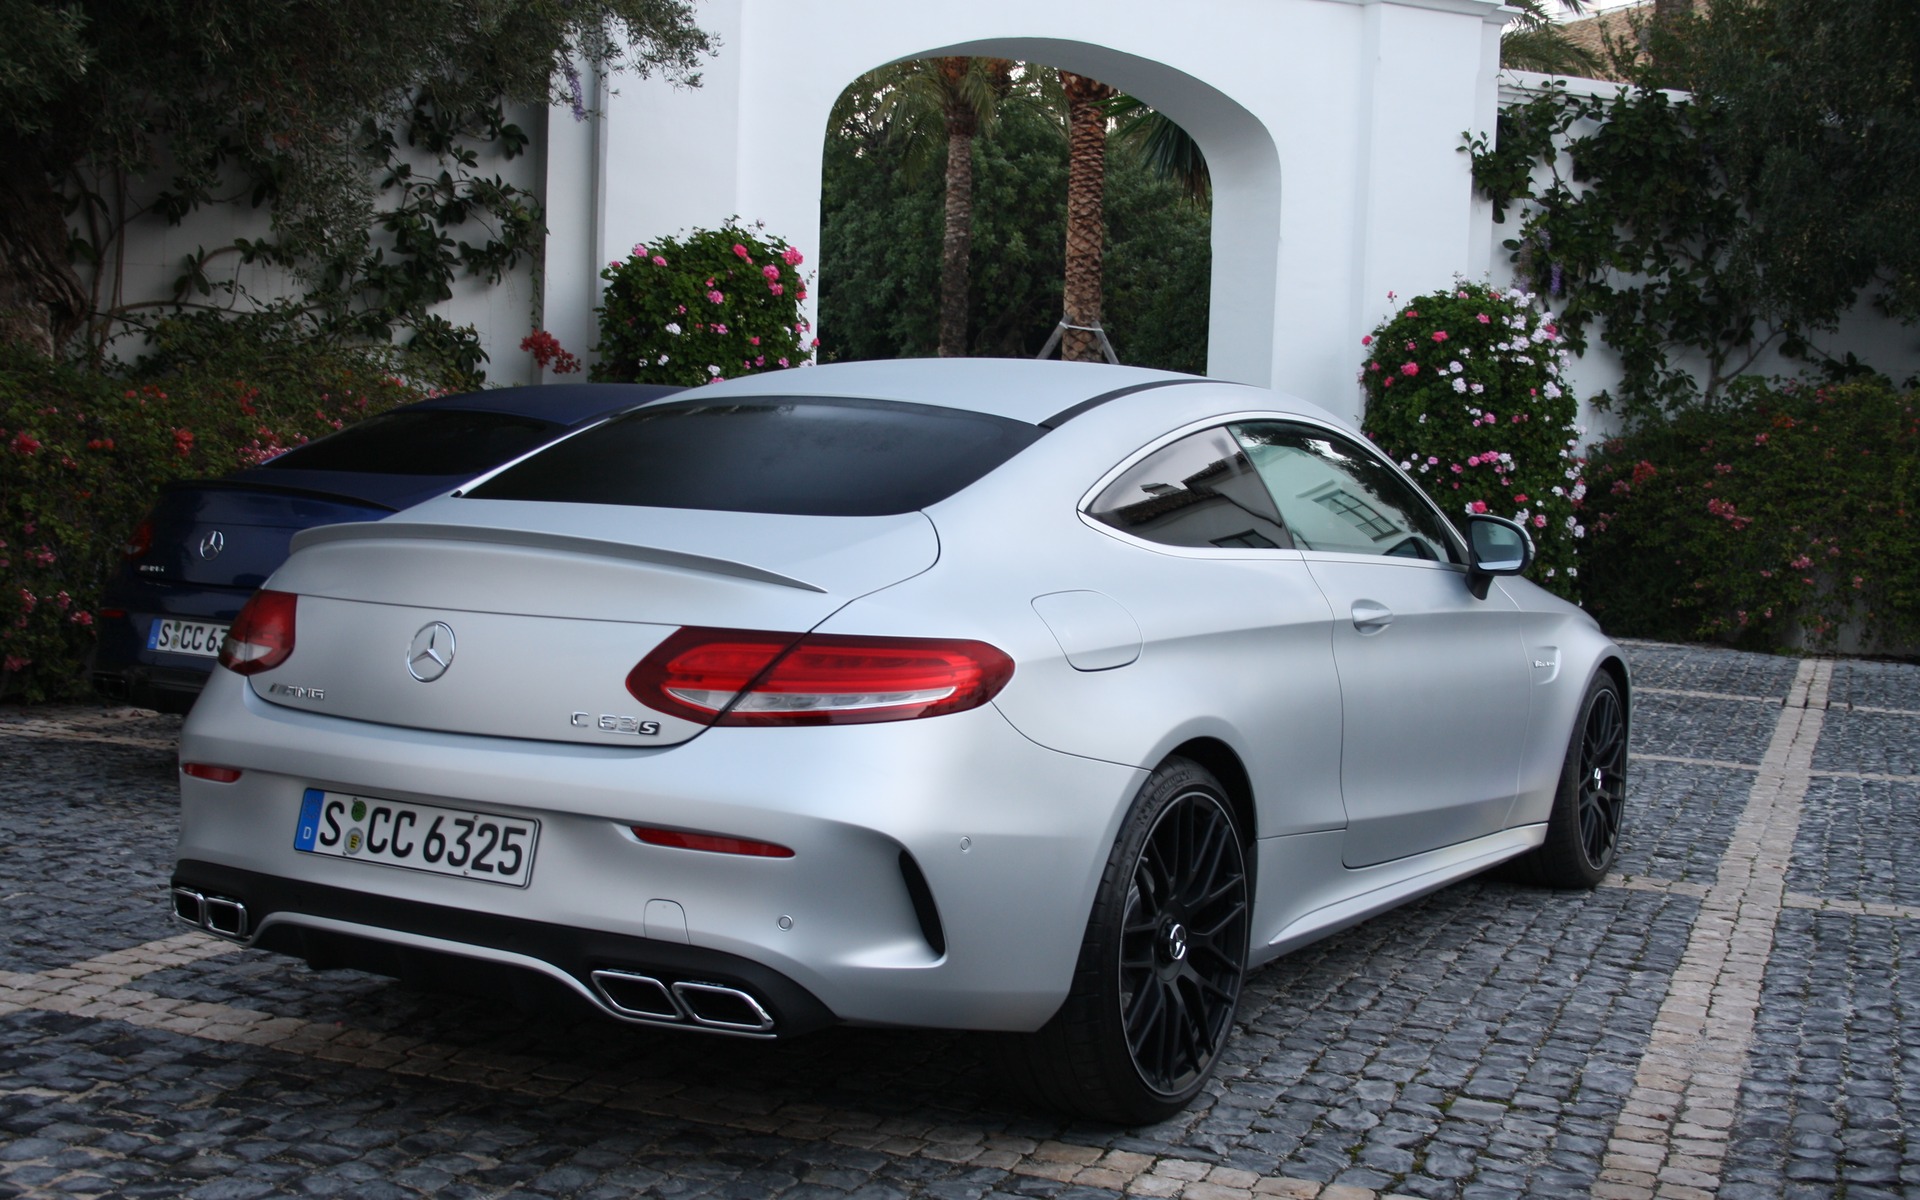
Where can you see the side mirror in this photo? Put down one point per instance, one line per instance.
(1496, 546)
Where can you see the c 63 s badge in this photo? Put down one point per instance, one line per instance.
(610, 723)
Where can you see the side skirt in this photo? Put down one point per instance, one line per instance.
(1323, 897)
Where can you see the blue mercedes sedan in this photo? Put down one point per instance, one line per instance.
(207, 544)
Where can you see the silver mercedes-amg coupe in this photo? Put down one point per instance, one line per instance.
(1039, 698)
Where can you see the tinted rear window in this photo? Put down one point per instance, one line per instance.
(424, 442)
(810, 457)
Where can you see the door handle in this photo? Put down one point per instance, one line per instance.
(1370, 616)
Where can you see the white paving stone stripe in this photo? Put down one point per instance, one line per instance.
(1698, 695)
(1696, 762)
(55, 733)
(1671, 1139)
(1857, 908)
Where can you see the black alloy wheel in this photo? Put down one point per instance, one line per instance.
(1602, 781)
(1151, 1003)
(1590, 805)
(1183, 941)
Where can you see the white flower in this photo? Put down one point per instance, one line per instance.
(1579, 491)
(1423, 418)
(1552, 390)
(1455, 366)
(673, 327)
(712, 370)
(1476, 388)
(663, 360)
(1573, 570)
(1460, 385)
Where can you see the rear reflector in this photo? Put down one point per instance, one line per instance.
(748, 677)
(710, 842)
(209, 771)
(261, 637)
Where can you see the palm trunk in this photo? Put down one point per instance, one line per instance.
(957, 242)
(1086, 221)
(42, 301)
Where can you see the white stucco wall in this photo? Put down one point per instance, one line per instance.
(1331, 127)
(1863, 331)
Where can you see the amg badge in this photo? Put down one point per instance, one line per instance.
(609, 723)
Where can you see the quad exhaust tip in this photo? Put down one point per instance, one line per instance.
(219, 915)
(702, 1005)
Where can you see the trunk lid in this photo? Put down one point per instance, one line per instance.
(518, 619)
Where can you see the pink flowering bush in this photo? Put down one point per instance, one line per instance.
(1464, 390)
(1785, 518)
(714, 305)
(82, 454)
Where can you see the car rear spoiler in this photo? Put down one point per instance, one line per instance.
(370, 531)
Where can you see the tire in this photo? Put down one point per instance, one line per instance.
(1589, 808)
(1152, 1000)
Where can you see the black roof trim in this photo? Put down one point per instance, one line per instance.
(1067, 414)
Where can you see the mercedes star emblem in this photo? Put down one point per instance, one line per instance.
(212, 544)
(432, 652)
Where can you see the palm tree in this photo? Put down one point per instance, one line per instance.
(1535, 42)
(957, 96)
(1086, 224)
(1167, 150)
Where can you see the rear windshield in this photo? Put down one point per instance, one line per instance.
(422, 442)
(804, 456)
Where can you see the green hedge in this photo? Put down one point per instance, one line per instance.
(1784, 519)
(82, 453)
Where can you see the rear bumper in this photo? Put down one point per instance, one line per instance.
(1006, 838)
(336, 927)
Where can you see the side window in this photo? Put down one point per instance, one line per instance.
(1199, 491)
(1336, 496)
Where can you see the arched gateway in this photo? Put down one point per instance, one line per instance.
(1332, 128)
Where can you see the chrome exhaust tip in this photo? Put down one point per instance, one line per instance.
(714, 1007)
(638, 997)
(225, 918)
(218, 915)
(189, 907)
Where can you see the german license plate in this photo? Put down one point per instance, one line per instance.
(198, 638)
(420, 837)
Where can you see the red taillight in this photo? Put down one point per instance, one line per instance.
(710, 842)
(209, 771)
(261, 637)
(140, 541)
(758, 678)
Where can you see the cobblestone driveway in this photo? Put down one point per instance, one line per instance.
(1737, 1012)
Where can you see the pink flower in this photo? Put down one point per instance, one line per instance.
(718, 328)
(739, 250)
(658, 261)
(753, 341)
(1410, 368)
(1540, 521)
(24, 443)
(776, 288)
(1367, 340)
(1439, 335)
(770, 271)
(1455, 468)
(81, 617)
(16, 663)
(1484, 319)
(1478, 506)
(716, 297)
(1759, 439)
(1521, 498)
(791, 257)
(639, 250)
(1801, 563)
(783, 362)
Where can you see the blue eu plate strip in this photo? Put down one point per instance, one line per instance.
(309, 819)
